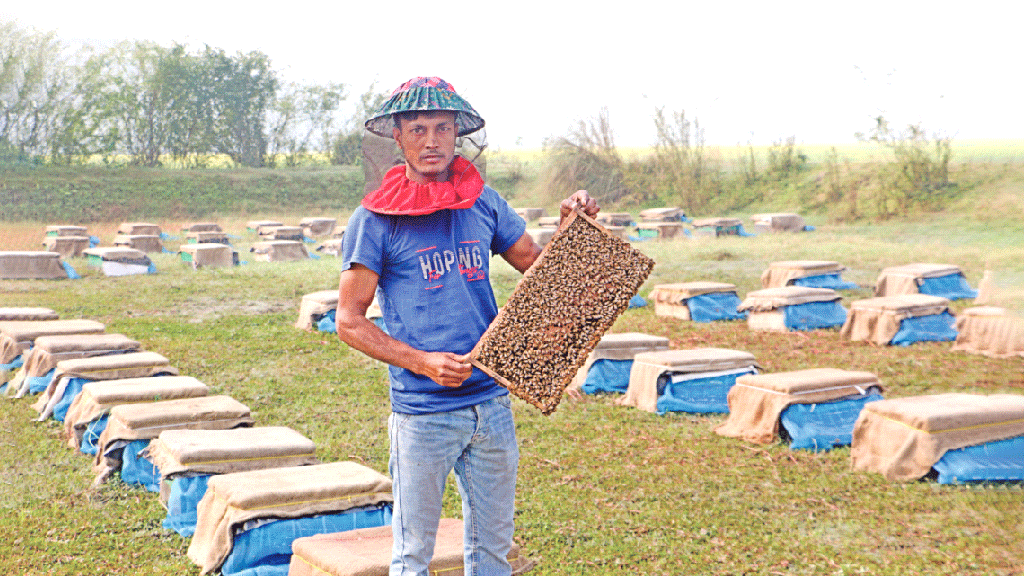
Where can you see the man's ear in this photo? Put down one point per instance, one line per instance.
(397, 135)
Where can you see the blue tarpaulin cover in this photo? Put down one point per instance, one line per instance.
(833, 281)
(1001, 460)
(327, 323)
(814, 315)
(953, 286)
(607, 375)
(91, 436)
(266, 548)
(699, 392)
(70, 271)
(931, 328)
(7, 370)
(715, 306)
(825, 425)
(183, 502)
(38, 384)
(637, 301)
(136, 469)
(72, 389)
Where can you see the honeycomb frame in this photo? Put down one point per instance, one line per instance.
(575, 290)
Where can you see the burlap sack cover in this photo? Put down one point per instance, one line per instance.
(614, 218)
(665, 230)
(98, 398)
(124, 254)
(661, 214)
(990, 331)
(618, 231)
(256, 225)
(531, 214)
(716, 222)
(206, 237)
(16, 336)
(770, 299)
(282, 233)
(209, 254)
(757, 401)
(679, 293)
(140, 242)
(27, 314)
(367, 552)
(779, 221)
(139, 228)
(61, 230)
(111, 367)
(331, 247)
(618, 347)
(648, 366)
(279, 251)
(314, 226)
(541, 235)
(146, 421)
(896, 280)
(903, 438)
(878, 319)
(226, 451)
(292, 492)
(783, 272)
(314, 305)
(48, 350)
(202, 227)
(66, 246)
(31, 265)
(670, 299)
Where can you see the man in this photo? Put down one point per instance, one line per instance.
(422, 242)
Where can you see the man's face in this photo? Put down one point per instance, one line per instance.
(428, 143)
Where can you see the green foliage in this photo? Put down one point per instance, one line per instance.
(682, 169)
(916, 177)
(586, 158)
(92, 194)
(303, 120)
(35, 90)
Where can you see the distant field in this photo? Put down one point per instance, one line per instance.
(963, 151)
(603, 489)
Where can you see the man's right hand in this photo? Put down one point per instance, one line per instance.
(445, 368)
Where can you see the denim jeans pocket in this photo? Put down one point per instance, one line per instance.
(397, 421)
(505, 400)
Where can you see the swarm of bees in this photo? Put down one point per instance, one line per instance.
(583, 279)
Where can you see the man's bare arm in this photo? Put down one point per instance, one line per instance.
(355, 294)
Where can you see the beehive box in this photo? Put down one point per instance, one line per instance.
(580, 283)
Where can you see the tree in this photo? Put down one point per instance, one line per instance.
(35, 88)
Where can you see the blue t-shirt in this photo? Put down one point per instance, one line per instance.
(434, 288)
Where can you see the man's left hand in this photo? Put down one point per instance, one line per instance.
(582, 200)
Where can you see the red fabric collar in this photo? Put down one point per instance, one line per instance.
(399, 195)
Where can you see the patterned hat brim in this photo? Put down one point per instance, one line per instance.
(425, 99)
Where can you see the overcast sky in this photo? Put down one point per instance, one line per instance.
(749, 71)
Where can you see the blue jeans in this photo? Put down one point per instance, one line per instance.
(479, 444)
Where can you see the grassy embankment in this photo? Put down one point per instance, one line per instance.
(603, 488)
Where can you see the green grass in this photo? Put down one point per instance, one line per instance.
(603, 489)
(88, 194)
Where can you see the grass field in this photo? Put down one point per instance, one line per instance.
(602, 489)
